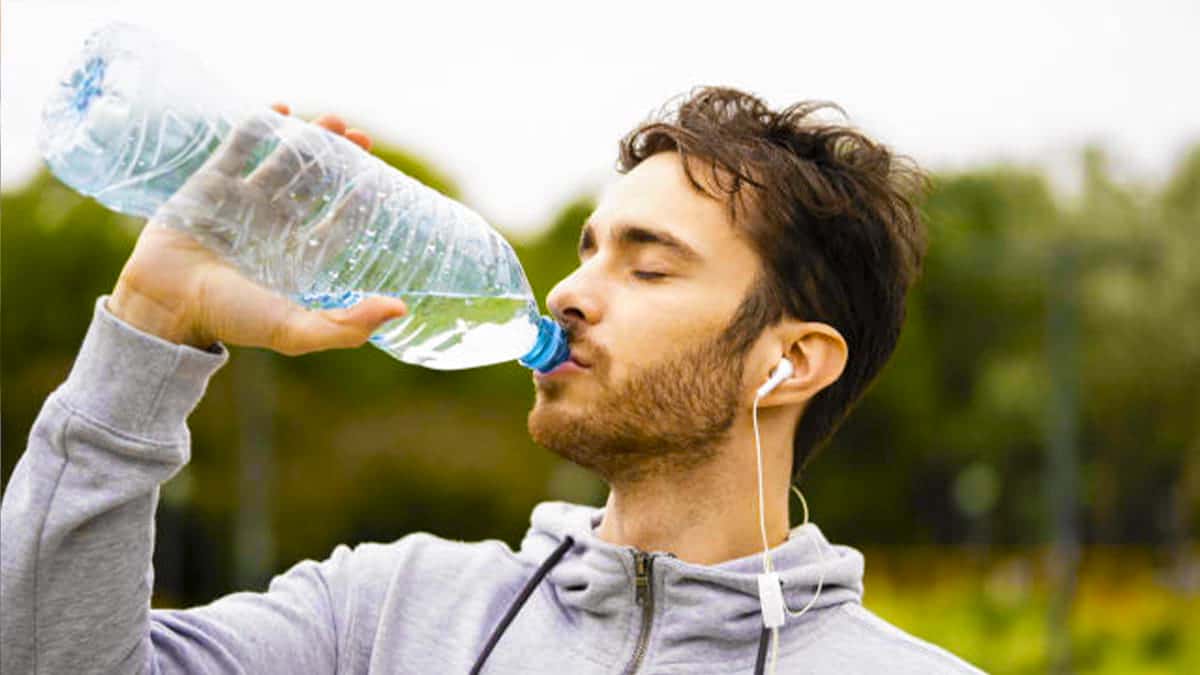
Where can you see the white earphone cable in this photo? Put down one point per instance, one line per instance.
(768, 564)
(762, 518)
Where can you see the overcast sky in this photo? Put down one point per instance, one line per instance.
(522, 103)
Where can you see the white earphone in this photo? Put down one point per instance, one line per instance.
(770, 590)
(782, 372)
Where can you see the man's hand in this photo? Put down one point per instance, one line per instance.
(176, 288)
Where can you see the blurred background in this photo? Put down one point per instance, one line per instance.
(1024, 478)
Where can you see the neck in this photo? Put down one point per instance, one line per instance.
(708, 514)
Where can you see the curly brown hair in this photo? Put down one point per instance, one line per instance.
(833, 215)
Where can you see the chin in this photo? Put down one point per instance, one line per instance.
(546, 406)
(551, 420)
(550, 392)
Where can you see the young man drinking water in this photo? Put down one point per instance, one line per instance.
(737, 237)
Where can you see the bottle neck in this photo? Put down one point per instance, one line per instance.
(550, 350)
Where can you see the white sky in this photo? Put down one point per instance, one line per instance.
(522, 103)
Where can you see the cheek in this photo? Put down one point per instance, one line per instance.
(662, 333)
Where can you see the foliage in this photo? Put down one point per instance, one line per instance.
(947, 448)
(991, 609)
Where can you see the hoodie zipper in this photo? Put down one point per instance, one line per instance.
(643, 565)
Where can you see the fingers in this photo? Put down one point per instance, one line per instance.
(231, 158)
(237, 149)
(351, 212)
(300, 149)
(207, 206)
(305, 331)
(338, 126)
(331, 122)
(360, 138)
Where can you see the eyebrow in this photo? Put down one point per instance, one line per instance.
(636, 235)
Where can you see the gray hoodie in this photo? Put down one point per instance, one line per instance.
(78, 528)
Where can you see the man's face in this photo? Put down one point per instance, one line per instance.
(661, 382)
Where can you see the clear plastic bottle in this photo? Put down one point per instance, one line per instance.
(140, 127)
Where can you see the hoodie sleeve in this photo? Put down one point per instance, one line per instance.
(77, 529)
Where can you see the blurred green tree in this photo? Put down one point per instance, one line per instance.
(366, 447)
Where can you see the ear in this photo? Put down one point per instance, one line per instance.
(818, 352)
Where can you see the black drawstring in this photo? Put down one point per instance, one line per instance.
(515, 607)
(762, 651)
(536, 579)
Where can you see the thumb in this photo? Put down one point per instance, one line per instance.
(306, 331)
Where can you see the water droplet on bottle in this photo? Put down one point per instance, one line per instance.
(293, 194)
(314, 242)
(362, 209)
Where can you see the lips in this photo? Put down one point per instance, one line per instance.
(573, 364)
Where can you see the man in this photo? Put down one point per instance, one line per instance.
(736, 237)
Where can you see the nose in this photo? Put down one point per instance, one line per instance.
(573, 301)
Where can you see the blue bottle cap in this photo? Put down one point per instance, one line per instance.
(551, 348)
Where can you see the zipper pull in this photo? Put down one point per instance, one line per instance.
(641, 564)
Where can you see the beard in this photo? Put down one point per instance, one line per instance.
(668, 418)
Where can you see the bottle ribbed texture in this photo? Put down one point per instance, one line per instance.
(139, 126)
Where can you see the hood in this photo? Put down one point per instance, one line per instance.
(720, 601)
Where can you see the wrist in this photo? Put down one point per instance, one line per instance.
(151, 317)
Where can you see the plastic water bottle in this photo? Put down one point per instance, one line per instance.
(140, 127)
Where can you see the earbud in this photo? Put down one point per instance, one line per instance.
(782, 372)
(770, 591)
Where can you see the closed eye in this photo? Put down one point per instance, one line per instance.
(648, 276)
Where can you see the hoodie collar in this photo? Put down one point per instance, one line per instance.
(716, 601)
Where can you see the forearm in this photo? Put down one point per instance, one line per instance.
(77, 516)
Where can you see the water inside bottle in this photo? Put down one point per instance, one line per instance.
(133, 121)
(448, 331)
